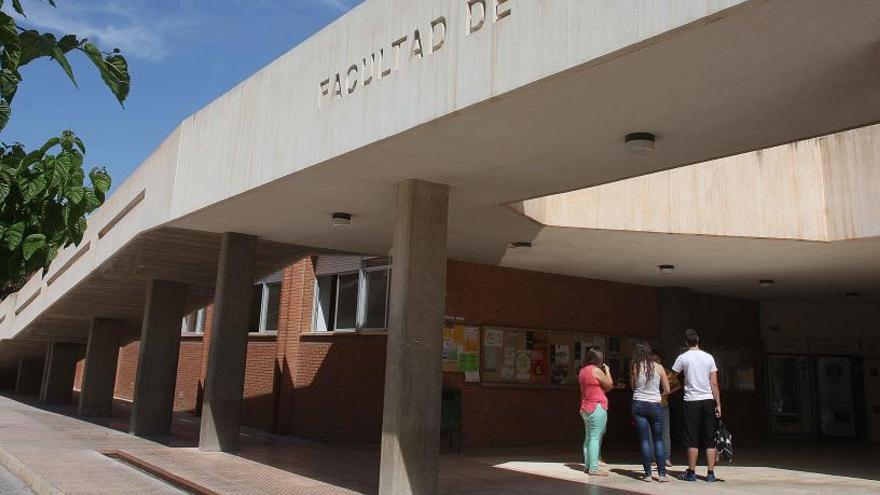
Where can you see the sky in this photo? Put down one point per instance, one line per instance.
(182, 54)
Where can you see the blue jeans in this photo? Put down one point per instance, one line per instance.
(649, 420)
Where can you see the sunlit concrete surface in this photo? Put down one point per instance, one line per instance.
(64, 452)
(10, 485)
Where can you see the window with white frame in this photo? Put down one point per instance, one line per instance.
(265, 306)
(194, 322)
(353, 299)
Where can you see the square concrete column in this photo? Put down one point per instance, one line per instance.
(224, 381)
(58, 373)
(157, 362)
(413, 377)
(99, 369)
(29, 379)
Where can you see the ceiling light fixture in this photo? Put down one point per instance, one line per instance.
(522, 246)
(766, 282)
(851, 295)
(640, 143)
(340, 219)
(666, 268)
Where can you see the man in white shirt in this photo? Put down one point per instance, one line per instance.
(702, 404)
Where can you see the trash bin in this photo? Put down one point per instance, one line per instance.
(450, 420)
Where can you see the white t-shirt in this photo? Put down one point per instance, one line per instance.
(696, 365)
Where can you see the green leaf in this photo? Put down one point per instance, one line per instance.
(10, 41)
(67, 138)
(9, 80)
(5, 188)
(35, 45)
(5, 113)
(75, 195)
(16, 4)
(31, 244)
(100, 179)
(113, 69)
(79, 144)
(51, 143)
(14, 235)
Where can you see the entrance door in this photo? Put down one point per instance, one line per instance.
(872, 397)
(791, 398)
(837, 415)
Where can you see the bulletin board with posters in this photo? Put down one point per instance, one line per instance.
(461, 349)
(533, 357)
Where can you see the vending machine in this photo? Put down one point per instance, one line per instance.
(791, 396)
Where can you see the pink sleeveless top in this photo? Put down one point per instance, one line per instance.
(591, 392)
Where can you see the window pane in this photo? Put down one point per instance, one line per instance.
(272, 306)
(377, 298)
(256, 305)
(188, 323)
(324, 303)
(346, 302)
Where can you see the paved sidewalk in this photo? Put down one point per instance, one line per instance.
(61, 454)
(11, 485)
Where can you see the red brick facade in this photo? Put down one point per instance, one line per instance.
(330, 386)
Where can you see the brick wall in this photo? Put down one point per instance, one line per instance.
(339, 379)
(331, 386)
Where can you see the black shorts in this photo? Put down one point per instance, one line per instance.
(699, 424)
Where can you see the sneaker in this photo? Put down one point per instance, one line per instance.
(663, 479)
(598, 472)
(710, 478)
(668, 463)
(602, 463)
(688, 476)
(645, 477)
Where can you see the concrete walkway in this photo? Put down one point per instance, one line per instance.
(58, 454)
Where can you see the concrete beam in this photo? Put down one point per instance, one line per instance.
(99, 369)
(413, 378)
(224, 382)
(59, 372)
(157, 361)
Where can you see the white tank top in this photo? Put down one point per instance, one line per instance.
(647, 390)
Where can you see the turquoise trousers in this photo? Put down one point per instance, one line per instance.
(594, 429)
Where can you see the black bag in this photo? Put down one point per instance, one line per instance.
(723, 442)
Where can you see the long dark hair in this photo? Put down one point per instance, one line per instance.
(594, 356)
(641, 360)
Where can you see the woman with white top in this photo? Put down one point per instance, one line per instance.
(648, 379)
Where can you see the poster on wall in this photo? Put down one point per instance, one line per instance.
(461, 348)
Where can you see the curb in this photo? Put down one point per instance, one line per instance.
(27, 475)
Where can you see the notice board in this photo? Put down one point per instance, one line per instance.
(533, 357)
(461, 349)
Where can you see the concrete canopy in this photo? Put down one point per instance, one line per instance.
(532, 102)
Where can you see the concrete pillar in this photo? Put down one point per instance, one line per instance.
(224, 381)
(99, 369)
(58, 373)
(675, 318)
(413, 377)
(29, 378)
(157, 361)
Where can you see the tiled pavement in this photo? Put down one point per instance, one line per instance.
(65, 453)
(10, 485)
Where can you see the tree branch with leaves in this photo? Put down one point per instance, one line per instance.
(44, 198)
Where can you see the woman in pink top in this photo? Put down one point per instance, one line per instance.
(595, 380)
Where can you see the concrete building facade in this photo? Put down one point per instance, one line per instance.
(480, 145)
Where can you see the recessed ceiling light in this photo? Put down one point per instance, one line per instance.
(666, 268)
(766, 282)
(522, 246)
(851, 295)
(640, 143)
(340, 219)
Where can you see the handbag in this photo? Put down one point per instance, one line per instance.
(723, 442)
